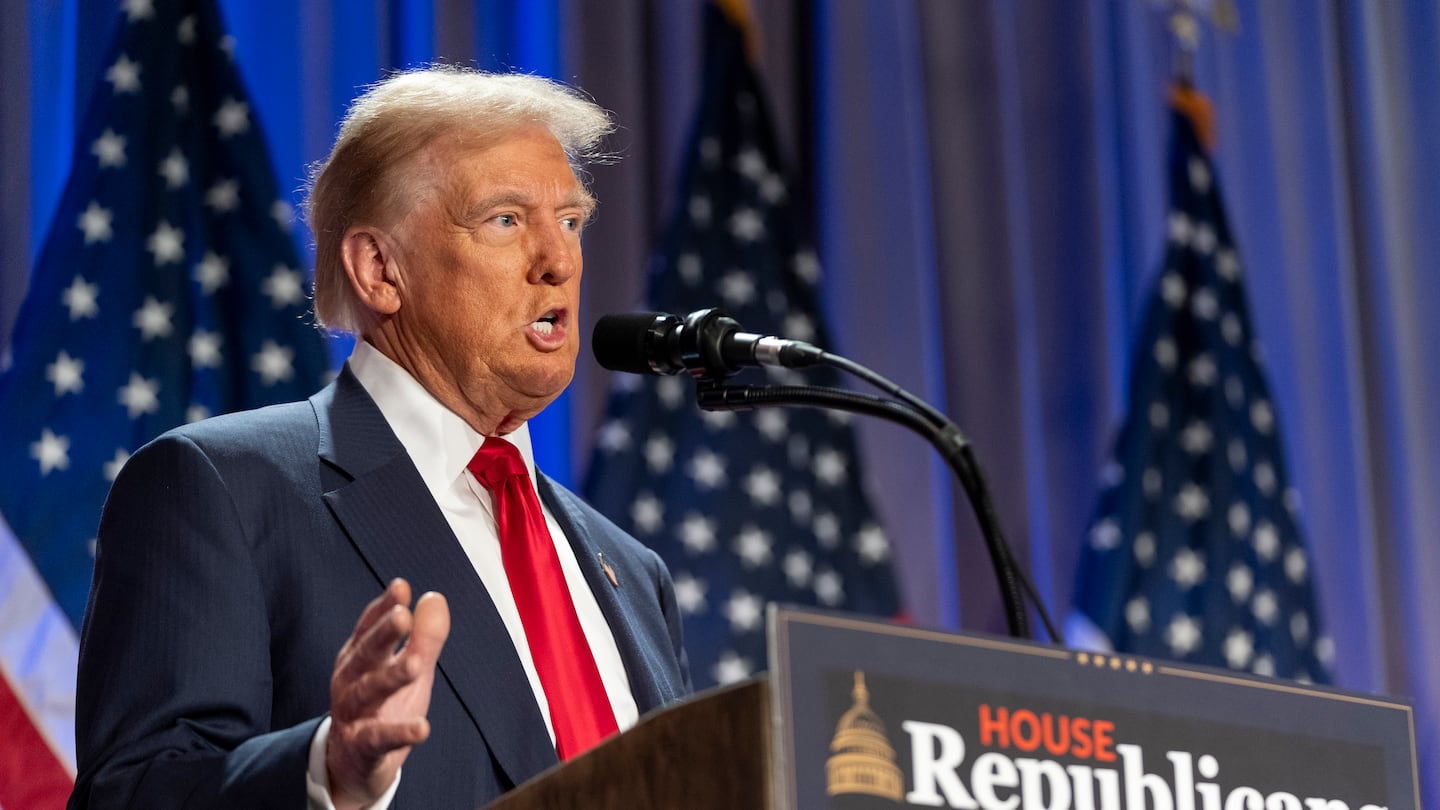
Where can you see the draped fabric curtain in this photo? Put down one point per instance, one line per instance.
(986, 184)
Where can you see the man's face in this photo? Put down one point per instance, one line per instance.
(489, 273)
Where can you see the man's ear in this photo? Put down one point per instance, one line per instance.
(369, 261)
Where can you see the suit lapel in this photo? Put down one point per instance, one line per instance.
(384, 507)
(615, 604)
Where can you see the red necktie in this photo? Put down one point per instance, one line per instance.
(580, 709)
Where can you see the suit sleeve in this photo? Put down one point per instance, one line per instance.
(174, 694)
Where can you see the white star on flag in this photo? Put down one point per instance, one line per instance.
(109, 150)
(283, 213)
(871, 544)
(1192, 503)
(140, 396)
(613, 436)
(659, 453)
(671, 391)
(1239, 519)
(66, 373)
(648, 513)
(697, 532)
(763, 486)
(690, 269)
(830, 467)
(111, 469)
(1264, 606)
(204, 349)
(185, 31)
(1239, 581)
(1105, 535)
(771, 423)
(753, 546)
(283, 286)
(827, 530)
(707, 468)
(175, 169)
(81, 299)
(797, 567)
(153, 319)
(167, 243)
(273, 362)
(1183, 635)
(212, 272)
(689, 593)
(747, 225)
(223, 196)
(1137, 614)
(95, 223)
(1239, 647)
(1267, 541)
(233, 118)
(124, 75)
(750, 163)
(730, 668)
(53, 452)
(744, 610)
(139, 10)
(1187, 569)
(737, 288)
(829, 588)
(772, 189)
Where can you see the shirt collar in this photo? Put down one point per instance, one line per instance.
(439, 442)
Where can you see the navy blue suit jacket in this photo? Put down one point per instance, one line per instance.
(234, 558)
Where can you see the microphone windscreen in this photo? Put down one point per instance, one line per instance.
(621, 342)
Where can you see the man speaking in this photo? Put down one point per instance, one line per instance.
(235, 652)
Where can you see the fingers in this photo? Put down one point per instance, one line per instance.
(370, 670)
(430, 628)
(371, 739)
(396, 593)
(377, 633)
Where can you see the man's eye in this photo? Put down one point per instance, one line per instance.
(571, 223)
(506, 220)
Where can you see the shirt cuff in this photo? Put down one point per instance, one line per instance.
(317, 780)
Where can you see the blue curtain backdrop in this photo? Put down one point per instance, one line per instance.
(986, 182)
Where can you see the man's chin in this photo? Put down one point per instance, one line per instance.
(544, 388)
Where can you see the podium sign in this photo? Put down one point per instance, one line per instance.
(872, 715)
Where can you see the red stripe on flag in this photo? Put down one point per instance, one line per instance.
(31, 776)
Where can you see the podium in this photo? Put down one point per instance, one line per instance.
(865, 714)
(711, 752)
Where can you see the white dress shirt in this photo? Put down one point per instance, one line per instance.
(441, 444)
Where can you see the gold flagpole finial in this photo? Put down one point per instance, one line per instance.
(743, 17)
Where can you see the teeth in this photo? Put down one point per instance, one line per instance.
(544, 327)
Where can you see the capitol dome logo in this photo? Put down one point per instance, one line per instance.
(862, 761)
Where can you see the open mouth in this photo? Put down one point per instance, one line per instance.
(545, 324)
(548, 332)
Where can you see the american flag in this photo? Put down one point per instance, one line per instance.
(751, 507)
(169, 289)
(1196, 552)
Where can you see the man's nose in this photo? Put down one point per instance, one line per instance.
(554, 254)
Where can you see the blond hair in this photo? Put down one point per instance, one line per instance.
(366, 178)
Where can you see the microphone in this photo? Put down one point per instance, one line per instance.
(705, 343)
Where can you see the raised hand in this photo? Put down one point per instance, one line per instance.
(380, 692)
